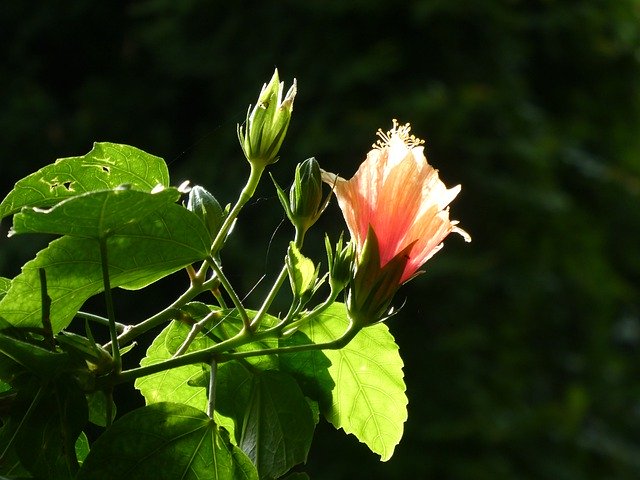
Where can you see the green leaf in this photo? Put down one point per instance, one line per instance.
(106, 166)
(5, 284)
(230, 324)
(94, 214)
(181, 384)
(166, 441)
(82, 447)
(310, 368)
(97, 404)
(40, 361)
(139, 254)
(368, 398)
(303, 274)
(44, 425)
(274, 422)
(173, 385)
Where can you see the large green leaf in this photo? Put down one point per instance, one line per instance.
(94, 214)
(274, 423)
(366, 393)
(182, 384)
(173, 385)
(166, 441)
(106, 166)
(139, 254)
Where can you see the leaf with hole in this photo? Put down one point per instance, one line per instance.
(106, 166)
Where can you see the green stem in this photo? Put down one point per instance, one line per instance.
(282, 276)
(245, 195)
(291, 327)
(168, 313)
(231, 292)
(115, 349)
(336, 344)
(200, 356)
(120, 327)
(211, 404)
(216, 352)
(195, 329)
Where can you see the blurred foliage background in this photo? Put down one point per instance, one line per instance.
(521, 349)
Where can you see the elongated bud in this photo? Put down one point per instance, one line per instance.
(266, 125)
(373, 287)
(205, 205)
(340, 264)
(305, 203)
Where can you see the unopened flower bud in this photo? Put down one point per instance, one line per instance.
(305, 203)
(266, 125)
(340, 264)
(205, 206)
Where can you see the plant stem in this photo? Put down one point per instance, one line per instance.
(216, 352)
(115, 348)
(120, 327)
(245, 195)
(200, 356)
(234, 297)
(299, 239)
(211, 404)
(196, 287)
(193, 291)
(336, 344)
(195, 329)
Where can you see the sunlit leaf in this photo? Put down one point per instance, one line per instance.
(368, 398)
(94, 214)
(302, 272)
(106, 166)
(139, 254)
(172, 385)
(5, 283)
(182, 384)
(166, 441)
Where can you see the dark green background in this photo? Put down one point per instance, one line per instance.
(521, 348)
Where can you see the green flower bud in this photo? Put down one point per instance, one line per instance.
(266, 125)
(205, 206)
(340, 264)
(305, 204)
(373, 287)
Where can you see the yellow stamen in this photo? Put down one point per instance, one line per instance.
(398, 132)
